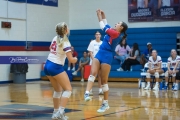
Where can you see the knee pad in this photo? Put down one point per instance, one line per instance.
(148, 75)
(166, 74)
(57, 94)
(66, 94)
(174, 75)
(105, 87)
(156, 74)
(91, 78)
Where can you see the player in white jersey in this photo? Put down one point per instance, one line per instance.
(60, 48)
(172, 69)
(93, 48)
(142, 3)
(164, 3)
(154, 69)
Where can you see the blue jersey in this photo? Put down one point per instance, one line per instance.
(110, 39)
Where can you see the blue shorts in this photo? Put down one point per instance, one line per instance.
(52, 69)
(104, 56)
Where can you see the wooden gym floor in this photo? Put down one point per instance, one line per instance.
(33, 100)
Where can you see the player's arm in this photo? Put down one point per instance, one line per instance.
(168, 66)
(150, 66)
(177, 63)
(67, 50)
(91, 54)
(103, 17)
(70, 57)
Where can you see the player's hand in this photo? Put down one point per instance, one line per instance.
(75, 60)
(174, 71)
(102, 12)
(170, 71)
(98, 11)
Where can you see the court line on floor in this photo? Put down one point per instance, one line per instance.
(111, 113)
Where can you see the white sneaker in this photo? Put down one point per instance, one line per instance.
(90, 93)
(147, 87)
(57, 115)
(82, 80)
(73, 69)
(101, 93)
(156, 87)
(103, 108)
(120, 69)
(74, 73)
(175, 87)
(68, 68)
(87, 97)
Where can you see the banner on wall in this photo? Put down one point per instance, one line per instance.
(153, 10)
(53, 3)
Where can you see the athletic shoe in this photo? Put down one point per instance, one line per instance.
(166, 87)
(175, 87)
(58, 116)
(82, 80)
(101, 93)
(73, 69)
(103, 108)
(74, 73)
(68, 68)
(90, 93)
(120, 69)
(156, 87)
(63, 117)
(86, 97)
(147, 87)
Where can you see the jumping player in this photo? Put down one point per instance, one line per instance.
(104, 57)
(59, 49)
(173, 68)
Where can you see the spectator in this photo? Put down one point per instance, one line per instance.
(83, 61)
(74, 53)
(133, 59)
(146, 54)
(93, 49)
(154, 69)
(122, 52)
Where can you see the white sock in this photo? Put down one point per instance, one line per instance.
(166, 83)
(61, 109)
(105, 101)
(100, 89)
(87, 92)
(69, 68)
(174, 83)
(148, 83)
(55, 110)
(157, 83)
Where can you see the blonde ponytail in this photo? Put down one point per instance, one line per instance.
(61, 29)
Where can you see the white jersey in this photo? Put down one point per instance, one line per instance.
(174, 61)
(140, 4)
(166, 3)
(58, 53)
(94, 48)
(154, 63)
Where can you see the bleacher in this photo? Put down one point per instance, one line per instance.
(163, 40)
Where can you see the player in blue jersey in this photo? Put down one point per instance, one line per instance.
(104, 57)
